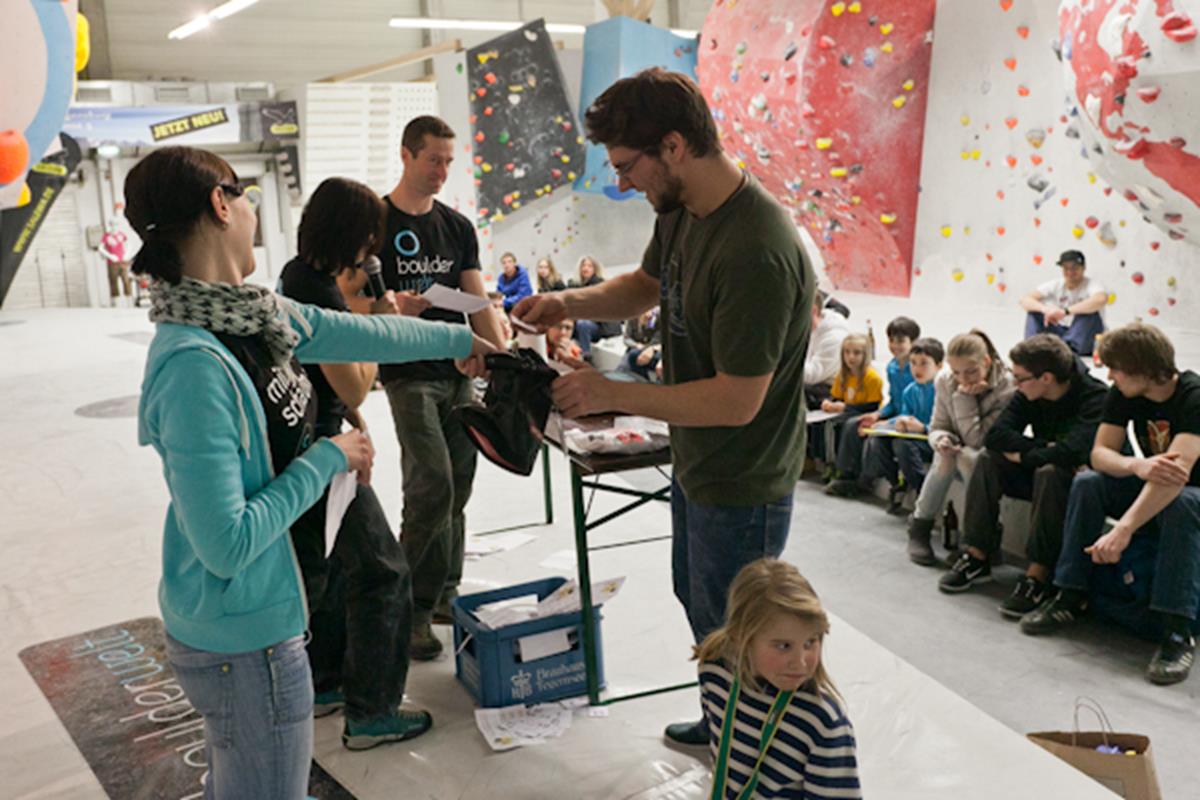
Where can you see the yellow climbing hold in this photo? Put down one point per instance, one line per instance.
(957, 275)
(991, 278)
(1091, 177)
(966, 155)
(1077, 232)
(946, 231)
(965, 120)
(1171, 282)
(571, 176)
(1112, 298)
(486, 167)
(887, 219)
(967, 230)
(886, 28)
(975, 154)
(838, 172)
(908, 85)
(854, 7)
(899, 100)
(837, 9)
(886, 47)
(855, 200)
(824, 143)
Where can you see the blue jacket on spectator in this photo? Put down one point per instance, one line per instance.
(917, 401)
(514, 288)
(898, 379)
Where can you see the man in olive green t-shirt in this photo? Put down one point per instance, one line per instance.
(727, 267)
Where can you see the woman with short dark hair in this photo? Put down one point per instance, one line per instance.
(227, 407)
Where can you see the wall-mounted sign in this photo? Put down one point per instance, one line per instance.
(188, 124)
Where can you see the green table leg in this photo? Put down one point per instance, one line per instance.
(585, 589)
(546, 484)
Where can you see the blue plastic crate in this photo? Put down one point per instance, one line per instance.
(490, 665)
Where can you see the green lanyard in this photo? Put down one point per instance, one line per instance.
(721, 770)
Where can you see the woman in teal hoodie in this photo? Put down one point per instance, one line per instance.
(229, 410)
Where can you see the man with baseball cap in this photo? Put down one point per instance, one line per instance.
(1071, 307)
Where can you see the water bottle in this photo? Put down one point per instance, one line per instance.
(950, 527)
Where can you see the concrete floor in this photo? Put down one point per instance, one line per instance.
(80, 522)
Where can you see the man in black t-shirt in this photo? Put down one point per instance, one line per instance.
(427, 243)
(1155, 495)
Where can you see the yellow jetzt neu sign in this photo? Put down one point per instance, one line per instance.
(188, 124)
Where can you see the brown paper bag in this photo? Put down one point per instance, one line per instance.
(1131, 776)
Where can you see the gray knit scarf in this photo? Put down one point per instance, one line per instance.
(246, 310)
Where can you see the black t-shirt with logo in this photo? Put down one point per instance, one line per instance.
(300, 281)
(286, 395)
(1156, 424)
(418, 252)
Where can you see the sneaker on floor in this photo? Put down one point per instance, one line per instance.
(326, 703)
(692, 734)
(842, 487)
(964, 573)
(1173, 660)
(1027, 596)
(396, 728)
(1053, 614)
(424, 645)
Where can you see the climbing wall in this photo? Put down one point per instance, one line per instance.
(825, 103)
(1009, 180)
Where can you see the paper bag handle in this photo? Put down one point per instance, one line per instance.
(1084, 702)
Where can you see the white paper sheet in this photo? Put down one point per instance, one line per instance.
(565, 598)
(516, 726)
(453, 300)
(341, 493)
(543, 645)
(817, 415)
(654, 426)
(560, 561)
(508, 611)
(479, 546)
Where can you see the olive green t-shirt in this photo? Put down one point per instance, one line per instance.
(737, 293)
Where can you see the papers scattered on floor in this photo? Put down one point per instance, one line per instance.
(566, 598)
(517, 726)
(560, 561)
(479, 546)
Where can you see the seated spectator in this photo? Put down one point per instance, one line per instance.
(559, 346)
(506, 328)
(643, 341)
(590, 273)
(548, 279)
(967, 400)
(892, 456)
(824, 351)
(1061, 403)
(1155, 496)
(857, 389)
(901, 333)
(1071, 307)
(513, 282)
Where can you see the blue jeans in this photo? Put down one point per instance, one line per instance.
(889, 457)
(1094, 496)
(257, 709)
(711, 544)
(1081, 335)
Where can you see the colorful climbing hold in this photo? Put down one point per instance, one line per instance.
(908, 85)
(946, 231)
(886, 47)
(957, 275)
(1023, 31)
(1077, 232)
(1011, 63)
(888, 219)
(898, 101)
(824, 143)
(837, 9)
(1138, 278)
(886, 28)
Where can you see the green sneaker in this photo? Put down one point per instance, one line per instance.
(326, 703)
(395, 728)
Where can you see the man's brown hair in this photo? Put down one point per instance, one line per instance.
(1043, 353)
(413, 138)
(637, 112)
(1139, 349)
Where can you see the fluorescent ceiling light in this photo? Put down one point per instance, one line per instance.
(493, 25)
(204, 20)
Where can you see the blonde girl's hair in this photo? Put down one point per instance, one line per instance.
(844, 372)
(761, 590)
(544, 284)
(599, 270)
(974, 344)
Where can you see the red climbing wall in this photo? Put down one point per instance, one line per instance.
(825, 103)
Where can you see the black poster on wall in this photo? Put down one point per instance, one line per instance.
(526, 138)
(18, 226)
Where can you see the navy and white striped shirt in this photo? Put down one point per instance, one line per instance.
(812, 756)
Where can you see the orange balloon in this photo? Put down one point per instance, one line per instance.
(14, 155)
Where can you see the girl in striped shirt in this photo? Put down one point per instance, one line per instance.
(777, 726)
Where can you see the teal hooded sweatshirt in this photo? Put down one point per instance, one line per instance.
(230, 581)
